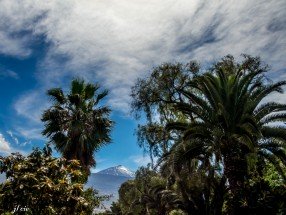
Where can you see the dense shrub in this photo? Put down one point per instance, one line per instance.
(42, 184)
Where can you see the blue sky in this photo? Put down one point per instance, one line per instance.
(44, 44)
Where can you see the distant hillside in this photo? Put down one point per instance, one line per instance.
(118, 171)
(108, 181)
(106, 184)
(2, 178)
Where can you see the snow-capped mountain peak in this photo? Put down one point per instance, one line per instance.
(118, 170)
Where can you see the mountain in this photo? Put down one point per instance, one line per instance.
(118, 171)
(108, 181)
(2, 178)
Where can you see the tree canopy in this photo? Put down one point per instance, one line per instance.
(214, 125)
(76, 124)
(42, 184)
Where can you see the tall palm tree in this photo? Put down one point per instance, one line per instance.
(232, 121)
(75, 124)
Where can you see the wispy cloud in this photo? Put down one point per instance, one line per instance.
(31, 105)
(16, 140)
(30, 132)
(6, 73)
(28, 142)
(7, 147)
(140, 160)
(4, 145)
(115, 42)
(13, 137)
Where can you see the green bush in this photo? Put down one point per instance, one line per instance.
(42, 184)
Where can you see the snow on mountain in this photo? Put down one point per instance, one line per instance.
(109, 180)
(118, 171)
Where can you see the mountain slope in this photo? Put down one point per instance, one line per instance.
(118, 171)
(108, 181)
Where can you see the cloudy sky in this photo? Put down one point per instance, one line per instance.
(44, 44)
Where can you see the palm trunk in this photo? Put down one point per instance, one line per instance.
(218, 199)
(189, 205)
(235, 171)
(151, 158)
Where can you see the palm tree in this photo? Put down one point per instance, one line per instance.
(75, 124)
(231, 120)
(159, 200)
(188, 167)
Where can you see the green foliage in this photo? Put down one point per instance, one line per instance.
(74, 123)
(115, 209)
(261, 198)
(147, 194)
(209, 127)
(42, 184)
(272, 176)
(93, 199)
(156, 96)
(163, 88)
(177, 212)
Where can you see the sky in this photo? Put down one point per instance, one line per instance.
(44, 44)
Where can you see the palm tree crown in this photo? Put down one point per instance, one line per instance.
(74, 123)
(230, 122)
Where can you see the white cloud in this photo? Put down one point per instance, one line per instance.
(30, 132)
(7, 147)
(116, 42)
(5, 73)
(4, 145)
(140, 160)
(28, 142)
(13, 137)
(10, 46)
(31, 105)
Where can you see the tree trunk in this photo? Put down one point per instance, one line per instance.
(218, 199)
(189, 206)
(235, 171)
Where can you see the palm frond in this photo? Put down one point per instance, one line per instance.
(57, 95)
